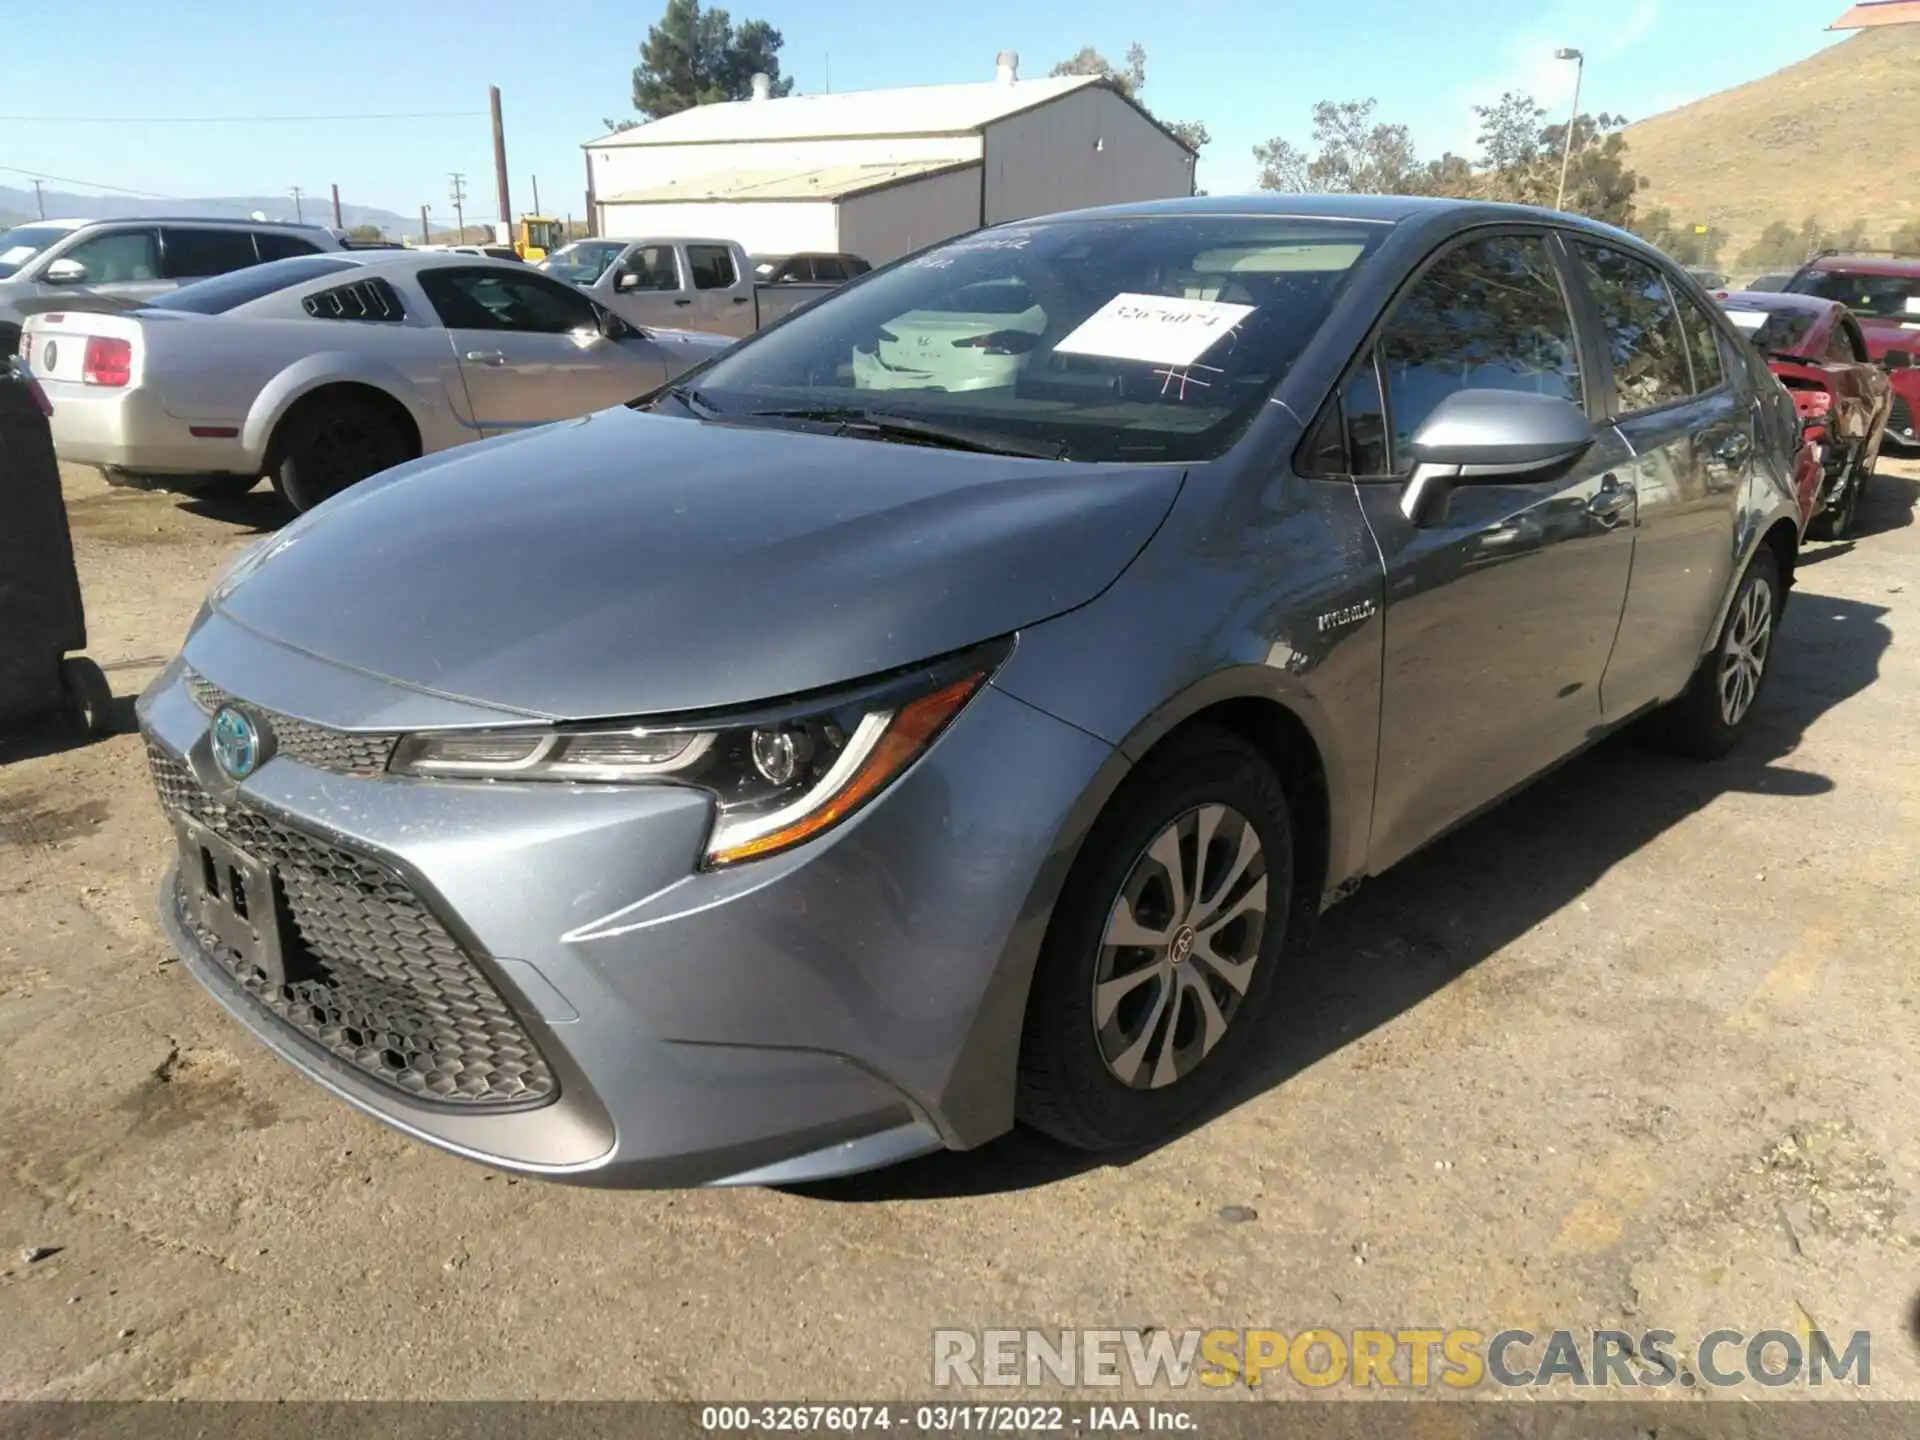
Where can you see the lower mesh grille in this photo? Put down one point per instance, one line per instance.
(378, 981)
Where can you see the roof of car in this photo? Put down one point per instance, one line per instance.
(76, 222)
(1777, 300)
(1383, 209)
(1903, 265)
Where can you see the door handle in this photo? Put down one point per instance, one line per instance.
(741, 299)
(1735, 449)
(486, 357)
(1613, 501)
(683, 302)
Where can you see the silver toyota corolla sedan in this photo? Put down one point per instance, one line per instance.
(900, 727)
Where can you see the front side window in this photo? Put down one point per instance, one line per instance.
(1649, 350)
(649, 267)
(1880, 297)
(119, 257)
(712, 267)
(499, 300)
(1126, 338)
(583, 262)
(1488, 315)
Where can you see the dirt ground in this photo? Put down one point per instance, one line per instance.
(1639, 1051)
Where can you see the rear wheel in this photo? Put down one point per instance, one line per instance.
(332, 443)
(1161, 958)
(1709, 718)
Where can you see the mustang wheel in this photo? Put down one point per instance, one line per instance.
(1162, 954)
(331, 444)
(1707, 720)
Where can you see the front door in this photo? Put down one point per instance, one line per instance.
(1691, 431)
(530, 348)
(1500, 613)
(125, 263)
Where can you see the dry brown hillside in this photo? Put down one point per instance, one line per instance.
(1837, 136)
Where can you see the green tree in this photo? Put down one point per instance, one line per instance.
(697, 57)
(1779, 247)
(366, 232)
(1130, 81)
(1354, 154)
(1510, 133)
(1692, 244)
(1906, 239)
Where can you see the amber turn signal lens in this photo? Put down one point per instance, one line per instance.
(907, 736)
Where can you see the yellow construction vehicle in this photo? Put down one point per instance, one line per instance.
(538, 236)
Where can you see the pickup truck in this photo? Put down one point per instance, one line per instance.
(678, 283)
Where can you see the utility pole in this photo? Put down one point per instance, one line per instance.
(458, 194)
(426, 235)
(593, 212)
(39, 203)
(500, 162)
(1573, 120)
(536, 194)
(299, 218)
(338, 223)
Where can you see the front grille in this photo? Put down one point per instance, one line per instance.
(341, 751)
(1901, 421)
(373, 977)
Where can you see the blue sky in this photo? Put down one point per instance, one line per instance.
(1249, 68)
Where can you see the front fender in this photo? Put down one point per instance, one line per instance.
(431, 414)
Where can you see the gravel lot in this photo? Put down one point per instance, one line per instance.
(1638, 1050)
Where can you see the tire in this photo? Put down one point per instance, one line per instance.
(1836, 522)
(88, 696)
(1077, 1044)
(1704, 722)
(331, 443)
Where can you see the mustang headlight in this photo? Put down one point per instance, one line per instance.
(779, 775)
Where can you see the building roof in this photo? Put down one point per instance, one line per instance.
(907, 110)
(821, 182)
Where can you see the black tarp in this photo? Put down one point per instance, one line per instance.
(41, 618)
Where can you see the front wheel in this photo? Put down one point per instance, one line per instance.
(331, 444)
(1836, 521)
(1163, 952)
(1711, 715)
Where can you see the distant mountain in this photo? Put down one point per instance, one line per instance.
(18, 205)
(1830, 137)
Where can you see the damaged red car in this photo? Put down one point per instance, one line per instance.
(1883, 294)
(1818, 351)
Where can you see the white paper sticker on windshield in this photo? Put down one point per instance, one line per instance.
(17, 254)
(1748, 319)
(1155, 329)
(1913, 304)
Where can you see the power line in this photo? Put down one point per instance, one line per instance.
(236, 119)
(90, 184)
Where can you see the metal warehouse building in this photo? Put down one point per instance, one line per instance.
(880, 173)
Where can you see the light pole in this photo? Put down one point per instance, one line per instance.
(1566, 148)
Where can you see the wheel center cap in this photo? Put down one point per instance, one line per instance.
(1182, 945)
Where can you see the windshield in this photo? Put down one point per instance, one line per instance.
(1131, 338)
(23, 242)
(1883, 297)
(226, 292)
(582, 262)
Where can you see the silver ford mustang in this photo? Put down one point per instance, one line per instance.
(323, 369)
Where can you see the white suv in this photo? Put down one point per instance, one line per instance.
(134, 258)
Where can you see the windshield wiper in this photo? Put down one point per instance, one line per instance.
(693, 400)
(880, 425)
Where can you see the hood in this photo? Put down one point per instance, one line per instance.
(1884, 335)
(634, 564)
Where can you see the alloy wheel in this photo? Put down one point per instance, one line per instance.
(1180, 946)
(1743, 658)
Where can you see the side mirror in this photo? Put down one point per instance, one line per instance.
(630, 280)
(1898, 360)
(65, 272)
(1482, 437)
(612, 327)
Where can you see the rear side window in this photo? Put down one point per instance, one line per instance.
(498, 299)
(1644, 338)
(712, 267)
(225, 292)
(829, 267)
(1488, 315)
(196, 254)
(855, 265)
(273, 245)
(371, 299)
(1703, 344)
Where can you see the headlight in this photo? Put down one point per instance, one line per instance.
(779, 776)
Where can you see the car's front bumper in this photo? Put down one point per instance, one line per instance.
(845, 1005)
(130, 429)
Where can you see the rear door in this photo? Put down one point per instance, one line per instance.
(189, 253)
(530, 347)
(1499, 613)
(1674, 399)
(722, 298)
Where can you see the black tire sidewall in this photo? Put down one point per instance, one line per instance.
(1705, 729)
(1067, 1089)
(296, 477)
